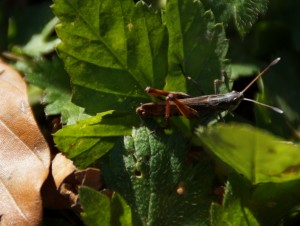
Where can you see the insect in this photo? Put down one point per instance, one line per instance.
(178, 103)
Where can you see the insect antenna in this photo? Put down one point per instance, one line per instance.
(261, 74)
(255, 79)
(278, 110)
(196, 84)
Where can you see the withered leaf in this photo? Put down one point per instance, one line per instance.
(64, 182)
(62, 167)
(24, 154)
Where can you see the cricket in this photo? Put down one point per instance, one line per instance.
(178, 103)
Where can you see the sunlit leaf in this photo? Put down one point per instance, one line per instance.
(257, 154)
(100, 210)
(112, 51)
(91, 138)
(240, 70)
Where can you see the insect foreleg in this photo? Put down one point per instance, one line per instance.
(217, 84)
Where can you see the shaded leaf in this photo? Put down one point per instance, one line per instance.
(244, 13)
(271, 202)
(197, 43)
(89, 177)
(149, 170)
(91, 138)
(24, 154)
(100, 210)
(258, 155)
(233, 211)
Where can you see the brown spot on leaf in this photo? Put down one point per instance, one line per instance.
(292, 169)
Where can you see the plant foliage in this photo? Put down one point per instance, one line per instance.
(108, 52)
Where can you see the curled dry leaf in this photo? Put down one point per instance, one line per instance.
(67, 180)
(24, 154)
(61, 169)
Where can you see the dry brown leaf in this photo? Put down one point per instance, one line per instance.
(64, 182)
(24, 154)
(62, 167)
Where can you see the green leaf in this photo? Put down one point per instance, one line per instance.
(242, 70)
(271, 202)
(244, 12)
(149, 170)
(112, 51)
(197, 43)
(258, 155)
(40, 44)
(120, 211)
(50, 76)
(268, 202)
(115, 72)
(96, 207)
(232, 212)
(100, 210)
(91, 138)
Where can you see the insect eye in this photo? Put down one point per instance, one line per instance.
(140, 111)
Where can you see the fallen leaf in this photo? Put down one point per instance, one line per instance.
(24, 154)
(70, 187)
(89, 177)
(64, 182)
(61, 169)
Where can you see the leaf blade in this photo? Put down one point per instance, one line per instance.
(258, 155)
(197, 43)
(91, 138)
(119, 49)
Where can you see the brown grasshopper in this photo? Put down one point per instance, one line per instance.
(178, 103)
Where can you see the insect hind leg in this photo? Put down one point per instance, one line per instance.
(184, 109)
(159, 92)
